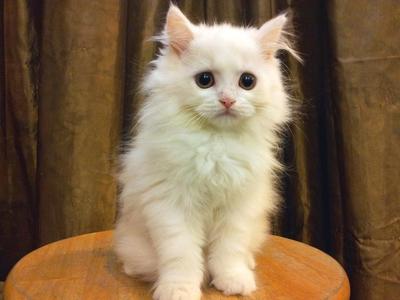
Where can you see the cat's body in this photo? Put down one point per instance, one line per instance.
(197, 181)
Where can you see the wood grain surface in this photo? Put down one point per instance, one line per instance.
(84, 267)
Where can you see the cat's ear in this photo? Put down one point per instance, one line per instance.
(178, 29)
(273, 37)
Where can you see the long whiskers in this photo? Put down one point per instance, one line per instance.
(196, 118)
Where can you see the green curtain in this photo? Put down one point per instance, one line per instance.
(68, 94)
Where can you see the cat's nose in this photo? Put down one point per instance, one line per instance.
(227, 102)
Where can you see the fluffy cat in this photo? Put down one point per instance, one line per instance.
(198, 179)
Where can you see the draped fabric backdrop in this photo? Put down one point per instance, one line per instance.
(68, 93)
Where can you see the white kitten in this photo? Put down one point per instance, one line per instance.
(197, 181)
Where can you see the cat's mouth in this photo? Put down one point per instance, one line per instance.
(227, 113)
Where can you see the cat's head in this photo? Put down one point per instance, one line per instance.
(221, 74)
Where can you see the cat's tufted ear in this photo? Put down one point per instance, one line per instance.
(178, 29)
(273, 37)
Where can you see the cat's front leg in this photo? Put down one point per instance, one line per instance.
(178, 244)
(230, 259)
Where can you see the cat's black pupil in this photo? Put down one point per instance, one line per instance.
(247, 80)
(205, 79)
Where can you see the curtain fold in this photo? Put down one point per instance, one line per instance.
(365, 73)
(69, 81)
(81, 80)
(18, 132)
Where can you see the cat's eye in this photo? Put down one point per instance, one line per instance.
(247, 81)
(204, 80)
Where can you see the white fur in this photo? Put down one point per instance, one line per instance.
(197, 188)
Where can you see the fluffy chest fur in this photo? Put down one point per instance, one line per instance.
(204, 165)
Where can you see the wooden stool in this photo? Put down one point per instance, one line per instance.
(84, 267)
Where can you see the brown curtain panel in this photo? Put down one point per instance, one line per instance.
(68, 95)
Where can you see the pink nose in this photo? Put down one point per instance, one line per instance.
(227, 102)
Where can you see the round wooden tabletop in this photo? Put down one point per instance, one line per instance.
(84, 267)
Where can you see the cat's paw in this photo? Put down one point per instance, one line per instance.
(128, 270)
(239, 282)
(177, 291)
(251, 262)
